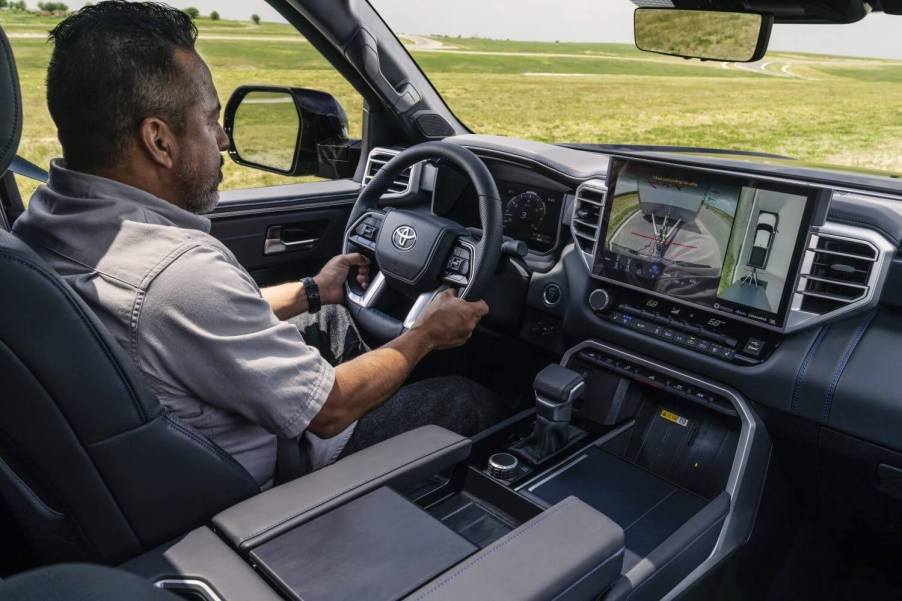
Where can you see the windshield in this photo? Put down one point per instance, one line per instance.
(568, 71)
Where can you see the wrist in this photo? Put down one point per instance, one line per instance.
(421, 336)
(310, 289)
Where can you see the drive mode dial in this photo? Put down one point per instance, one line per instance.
(503, 466)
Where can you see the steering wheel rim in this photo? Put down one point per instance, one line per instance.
(398, 268)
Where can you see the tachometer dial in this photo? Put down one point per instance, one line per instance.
(524, 212)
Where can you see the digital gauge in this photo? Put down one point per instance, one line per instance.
(525, 212)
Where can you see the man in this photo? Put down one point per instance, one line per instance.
(138, 120)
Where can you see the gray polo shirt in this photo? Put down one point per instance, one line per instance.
(187, 313)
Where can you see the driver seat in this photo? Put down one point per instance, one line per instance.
(91, 466)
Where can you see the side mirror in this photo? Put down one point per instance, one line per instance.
(290, 131)
(704, 34)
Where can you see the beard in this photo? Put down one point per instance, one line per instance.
(200, 186)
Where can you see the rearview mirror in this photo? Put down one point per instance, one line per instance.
(704, 34)
(290, 131)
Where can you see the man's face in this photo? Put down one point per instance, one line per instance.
(202, 142)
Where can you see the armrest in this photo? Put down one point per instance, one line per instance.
(398, 462)
(569, 552)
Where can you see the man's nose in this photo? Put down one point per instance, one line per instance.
(222, 140)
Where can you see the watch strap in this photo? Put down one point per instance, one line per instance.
(314, 304)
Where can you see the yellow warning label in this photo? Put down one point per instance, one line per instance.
(673, 417)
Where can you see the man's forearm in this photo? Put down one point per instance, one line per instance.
(365, 382)
(286, 300)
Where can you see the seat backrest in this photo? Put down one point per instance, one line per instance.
(89, 461)
(90, 464)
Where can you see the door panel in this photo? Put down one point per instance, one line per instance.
(285, 232)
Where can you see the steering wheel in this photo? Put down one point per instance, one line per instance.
(419, 254)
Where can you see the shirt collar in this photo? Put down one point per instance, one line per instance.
(128, 198)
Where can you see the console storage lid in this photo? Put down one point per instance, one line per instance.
(569, 552)
(398, 462)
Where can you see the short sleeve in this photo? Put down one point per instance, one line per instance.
(204, 328)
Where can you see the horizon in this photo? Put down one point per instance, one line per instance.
(573, 21)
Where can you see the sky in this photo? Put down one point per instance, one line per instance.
(576, 21)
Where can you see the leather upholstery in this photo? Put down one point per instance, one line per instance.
(398, 462)
(91, 465)
(11, 101)
(569, 552)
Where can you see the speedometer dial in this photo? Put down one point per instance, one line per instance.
(524, 213)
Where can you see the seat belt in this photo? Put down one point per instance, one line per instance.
(292, 459)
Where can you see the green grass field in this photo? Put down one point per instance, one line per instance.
(829, 109)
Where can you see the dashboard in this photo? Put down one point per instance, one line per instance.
(778, 279)
(532, 204)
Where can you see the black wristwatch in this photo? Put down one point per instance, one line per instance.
(314, 304)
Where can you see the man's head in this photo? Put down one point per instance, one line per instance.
(133, 101)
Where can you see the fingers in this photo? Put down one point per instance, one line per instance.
(356, 260)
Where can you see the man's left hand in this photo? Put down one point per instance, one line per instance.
(332, 277)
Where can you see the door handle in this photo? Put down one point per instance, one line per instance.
(276, 243)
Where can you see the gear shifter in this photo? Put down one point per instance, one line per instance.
(556, 388)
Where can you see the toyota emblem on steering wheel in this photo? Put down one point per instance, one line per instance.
(404, 237)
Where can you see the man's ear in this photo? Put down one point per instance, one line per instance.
(157, 140)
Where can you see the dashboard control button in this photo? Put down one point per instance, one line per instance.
(631, 310)
(753, 347)
(552, 294)
(600, 300)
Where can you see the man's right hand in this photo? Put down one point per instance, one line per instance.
(449, 321)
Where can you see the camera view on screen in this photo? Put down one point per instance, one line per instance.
(701, 237)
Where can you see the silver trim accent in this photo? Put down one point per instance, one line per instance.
(884, 251)
(188, 584)
(418, 307)
(596, 185)
(370, 295)
(273, 244)
(413, 183)
(545, 294)
(750, 423)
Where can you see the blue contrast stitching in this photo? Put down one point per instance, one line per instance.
(803, 370)
(841, 367)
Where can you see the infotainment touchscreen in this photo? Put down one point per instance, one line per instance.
(727, 243)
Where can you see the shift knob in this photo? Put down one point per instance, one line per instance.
(558, 384)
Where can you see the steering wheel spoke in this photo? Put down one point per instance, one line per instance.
(364, 232)
(368, 297)
(419, 305)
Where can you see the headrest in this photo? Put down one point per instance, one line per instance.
(11, 101)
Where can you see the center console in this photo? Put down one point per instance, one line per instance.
(635, 477)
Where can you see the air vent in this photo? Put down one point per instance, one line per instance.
(838, 273)
(377, 159)
(586, 219)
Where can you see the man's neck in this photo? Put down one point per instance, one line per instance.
(142, 179)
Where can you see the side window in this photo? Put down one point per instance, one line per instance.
(243, 43)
